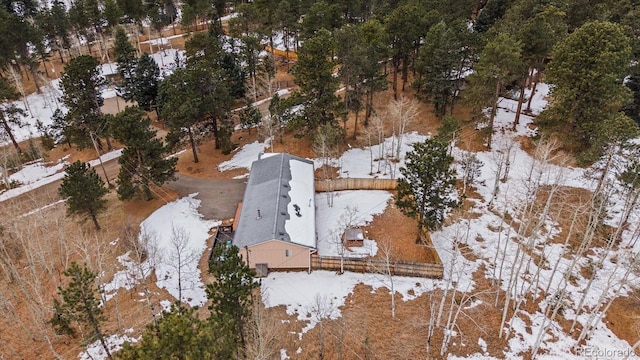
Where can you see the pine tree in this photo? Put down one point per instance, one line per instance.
(179, 107)
(125, 56)
(80, 305)
(428, 185)
(10, 115)
(143, 161)
(146, 78)
(441, 61)
(587, 71)
(500, 63)
(314, 74)
(178, 334)
(249, 116)
(81, 85)
(84, 191)
(230, 294)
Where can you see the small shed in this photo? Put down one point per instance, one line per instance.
(353, 237)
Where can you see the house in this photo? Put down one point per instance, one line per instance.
(276, 223)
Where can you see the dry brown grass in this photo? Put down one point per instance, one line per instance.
(366, 329)
(623, 318)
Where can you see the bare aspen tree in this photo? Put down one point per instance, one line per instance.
(432, 322)
(181, 256)
(347, 220)
(603, 254)
(367, 135)
(385, 265)
(270, 128)
(452, 273)
(377, 124)
(144, 252)
(471, 167)
(336, 239)
(325, 146)
(607, 295)
(321, 310)
(450, 325)
(263, 332)
(403, 112)
(499, 159)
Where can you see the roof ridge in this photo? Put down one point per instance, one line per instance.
(278, 198)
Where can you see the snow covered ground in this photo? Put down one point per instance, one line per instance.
(490, 239)
(177, 234)
(36, 175)
(40, 107)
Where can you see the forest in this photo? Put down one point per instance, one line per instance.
(511, 127)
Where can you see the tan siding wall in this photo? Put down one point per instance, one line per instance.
(274, 254)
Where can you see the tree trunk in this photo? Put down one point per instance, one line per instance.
(44, 65)
(396, 65)
(193, 145)
(492, 116)
(533, 92)
(405, 71)
(216, 133)
(7, 129)
(516, 121)
(355, 125)
(95, 220)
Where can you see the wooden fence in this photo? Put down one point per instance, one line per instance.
(355, 184)
(402, 268)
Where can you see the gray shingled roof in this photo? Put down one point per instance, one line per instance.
(267, 192)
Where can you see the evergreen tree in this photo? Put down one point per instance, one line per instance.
(125, 56)
(180, 107)
(249, 117)
(10, 115)
(143, 162)
(179, 334)
(428, 185)
(112, 13)
(587, 72)
(500, 63)
(146, 78)
(321, 15)
(492, 11)
(133, 10)
(84, 191)
(81, 85)
(406, 25)
(218, 78)
(314, 74)
(375, 40)
(230, 294)
(80, 305)
(442, 59)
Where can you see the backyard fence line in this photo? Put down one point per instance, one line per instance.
(355, 184)
(400, 268)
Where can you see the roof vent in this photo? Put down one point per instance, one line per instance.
(259, 216)
(283, 213)
(281, 233)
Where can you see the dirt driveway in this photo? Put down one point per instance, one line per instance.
(219, 196)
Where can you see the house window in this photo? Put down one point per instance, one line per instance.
(287, 253)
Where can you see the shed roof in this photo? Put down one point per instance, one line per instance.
(278, 202)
